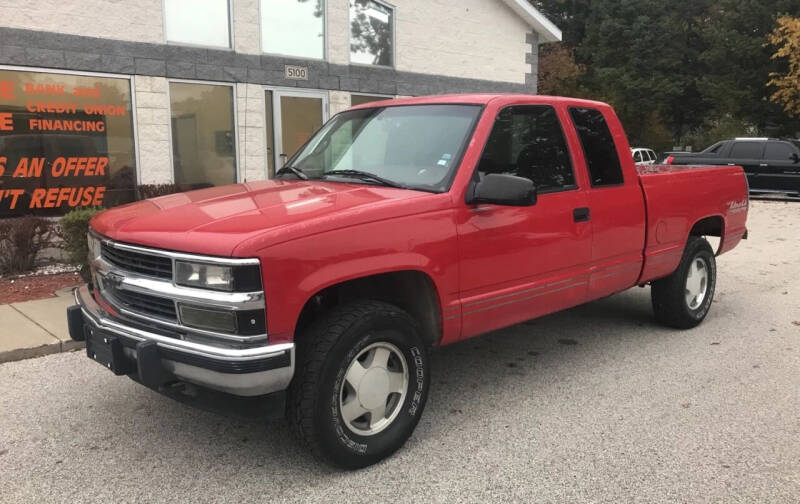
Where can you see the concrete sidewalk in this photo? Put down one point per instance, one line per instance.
(35, 328)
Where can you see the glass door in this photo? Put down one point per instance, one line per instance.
(294, 117)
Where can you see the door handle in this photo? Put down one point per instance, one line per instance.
(581, 214)
(763, 165)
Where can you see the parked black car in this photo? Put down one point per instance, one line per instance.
(771, 165)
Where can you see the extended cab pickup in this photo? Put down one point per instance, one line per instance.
(400, 226)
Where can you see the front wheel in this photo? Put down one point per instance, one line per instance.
(361, 384)
(682, 300)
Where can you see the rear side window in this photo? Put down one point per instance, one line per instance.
(527, 141)
(598, 146)
(778, 151)
(746, 150)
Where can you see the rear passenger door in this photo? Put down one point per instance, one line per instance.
(747, 153)
(616, 204)
(780, 169)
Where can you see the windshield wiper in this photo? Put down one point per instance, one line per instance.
(297, 172)
(362, 175)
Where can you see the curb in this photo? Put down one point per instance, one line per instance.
(40, 351)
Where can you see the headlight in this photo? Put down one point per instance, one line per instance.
(218, 277)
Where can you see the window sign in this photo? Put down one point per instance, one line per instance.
(66, 141)
(371, 37)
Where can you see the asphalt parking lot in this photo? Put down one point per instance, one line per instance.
(596, 404)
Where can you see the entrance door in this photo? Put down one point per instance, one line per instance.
(294, 117)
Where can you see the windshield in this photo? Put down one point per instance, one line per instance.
(415, 146)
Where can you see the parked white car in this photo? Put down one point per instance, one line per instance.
(643, 156)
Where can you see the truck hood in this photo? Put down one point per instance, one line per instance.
(222, 220)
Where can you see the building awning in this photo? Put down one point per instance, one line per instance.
(548, 32)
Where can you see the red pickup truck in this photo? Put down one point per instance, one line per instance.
(400, 226)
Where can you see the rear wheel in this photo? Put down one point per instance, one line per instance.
(682, 300)
(361, 384)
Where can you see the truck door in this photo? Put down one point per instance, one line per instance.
(517, 263)
(780, 167)
(615, 201)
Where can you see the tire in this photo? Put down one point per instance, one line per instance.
(673, 301)
(323, 386)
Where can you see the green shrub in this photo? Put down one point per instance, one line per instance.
(73, 228)
(21, 241)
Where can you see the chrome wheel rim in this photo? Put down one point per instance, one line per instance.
(373, 389)
(696, 283)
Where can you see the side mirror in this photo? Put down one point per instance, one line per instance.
(795, 157)
(501, 189)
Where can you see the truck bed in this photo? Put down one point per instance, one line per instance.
(678, 196)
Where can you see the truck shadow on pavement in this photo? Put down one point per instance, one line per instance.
(473, 383)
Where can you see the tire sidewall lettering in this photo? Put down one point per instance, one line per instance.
(414, 401)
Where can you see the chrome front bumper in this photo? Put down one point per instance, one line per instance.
(244, 372)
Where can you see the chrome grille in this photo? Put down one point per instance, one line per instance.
(141, 303)
(137, 262)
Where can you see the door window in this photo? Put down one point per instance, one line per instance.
(301, 117)
(527, 141)
(746, 150)
(637, 156)
(598, 146)
(778, 151)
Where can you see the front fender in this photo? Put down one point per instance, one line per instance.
(295, 271)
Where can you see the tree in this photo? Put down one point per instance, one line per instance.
(786, 38)
(559, 74)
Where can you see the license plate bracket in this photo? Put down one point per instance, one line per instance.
(107, 350)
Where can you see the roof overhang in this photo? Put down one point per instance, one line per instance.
(548, 32)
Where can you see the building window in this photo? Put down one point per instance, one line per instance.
(66, 141)
(371, 33)
(293, 28)
(198, 22)
(203, 138)
(360, 99)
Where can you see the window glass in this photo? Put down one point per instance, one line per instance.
(66, 141)
(293, 27)
(417, 146)
(778, 151)
(746, 150)
(527, 141)
(198, 22)
(637, 156)
(371, 34)
(598, 146)
(203, 152)
(359, 99)
(652, 155)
